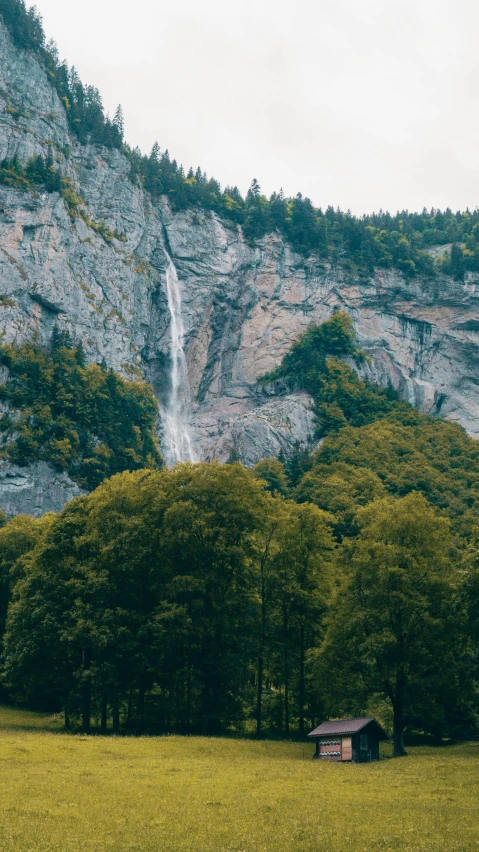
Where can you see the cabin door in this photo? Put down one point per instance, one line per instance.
(364, 755)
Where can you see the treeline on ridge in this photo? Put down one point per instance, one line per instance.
(83, 104)
(359, 243)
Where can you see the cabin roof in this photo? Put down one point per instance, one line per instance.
(345, 726)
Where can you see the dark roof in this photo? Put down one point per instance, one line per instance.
(344, 726)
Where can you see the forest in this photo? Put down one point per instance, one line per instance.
(359, 244)
(84, 419)
(215, 599)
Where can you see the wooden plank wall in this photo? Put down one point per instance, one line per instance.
(346, 748)
(330, 749)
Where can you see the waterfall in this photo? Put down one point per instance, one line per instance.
(176, 439)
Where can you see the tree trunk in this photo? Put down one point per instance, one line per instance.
(115, 707)
(259, 698)
(86, 709)
(262, 638)
(398, 724)
(141, 708)
(301, 682)
(188, 696)
(286, 671)
(104, 714)
(168, 713)
(280, 727)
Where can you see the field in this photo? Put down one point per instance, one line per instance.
(71, 792)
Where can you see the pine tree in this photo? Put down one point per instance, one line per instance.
(456, 263)
(118, 122)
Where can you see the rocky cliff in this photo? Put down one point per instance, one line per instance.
(243, 305)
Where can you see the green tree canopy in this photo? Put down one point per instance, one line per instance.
(397, 454)
(315, 364)
(272, 472)
(181, 599)
(85, 420)
(393, 630)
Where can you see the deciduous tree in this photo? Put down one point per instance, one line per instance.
(392, 629)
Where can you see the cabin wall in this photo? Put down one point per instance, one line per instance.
(346, 748)
(340, 748)
(366, 745)
(362, 747)
(334, 748)
(330, 748)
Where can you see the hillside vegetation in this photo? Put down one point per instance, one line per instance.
(85, 420)
(200, 794)
(212, 598)
(375, 444)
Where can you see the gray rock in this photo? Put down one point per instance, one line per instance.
(243, 305)
(251, 432)
(34, 490)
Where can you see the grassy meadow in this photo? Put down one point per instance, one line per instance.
(69, 792)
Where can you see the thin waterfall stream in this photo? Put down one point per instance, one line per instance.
(177, 444)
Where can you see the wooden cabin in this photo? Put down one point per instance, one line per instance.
(353, 740)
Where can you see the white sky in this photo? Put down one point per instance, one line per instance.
(360, 104)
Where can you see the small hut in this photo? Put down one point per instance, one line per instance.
(354, 740)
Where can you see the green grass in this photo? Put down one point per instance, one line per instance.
(71, 792)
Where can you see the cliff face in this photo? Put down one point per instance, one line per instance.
(243, 306)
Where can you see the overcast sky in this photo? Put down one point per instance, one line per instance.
(360, 104)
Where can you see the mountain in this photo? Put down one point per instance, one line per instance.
(89, 253)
